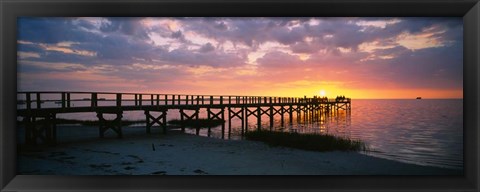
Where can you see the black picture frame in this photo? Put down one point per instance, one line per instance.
(10, 10)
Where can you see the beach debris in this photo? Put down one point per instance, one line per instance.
(153, 147)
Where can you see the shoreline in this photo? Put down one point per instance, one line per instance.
(184, 154)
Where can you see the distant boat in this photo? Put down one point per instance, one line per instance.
(419, 97)
(86, 99)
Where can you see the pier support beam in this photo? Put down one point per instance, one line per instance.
(272, 114)
(220, 115)
(249, 112)
(115, 124)
(261, 112)
(161, 120)
(40, 129)
(290, 114)
(185, 117)
(239, 114)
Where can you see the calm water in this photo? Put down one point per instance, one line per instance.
(425, 132)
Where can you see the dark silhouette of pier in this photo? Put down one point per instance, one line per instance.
(39, 109)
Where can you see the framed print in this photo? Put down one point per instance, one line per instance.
(264, 95)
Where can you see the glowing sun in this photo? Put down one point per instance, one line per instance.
(322, 93)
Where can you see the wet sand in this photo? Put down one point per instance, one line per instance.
(183, 154)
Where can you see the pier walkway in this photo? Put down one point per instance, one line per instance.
(38, 110)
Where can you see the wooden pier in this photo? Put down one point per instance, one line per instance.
(35, 106)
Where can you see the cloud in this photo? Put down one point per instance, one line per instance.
(25, 55)
(164, 53)
(206, 48)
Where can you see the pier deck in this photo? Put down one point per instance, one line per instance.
(35, 106)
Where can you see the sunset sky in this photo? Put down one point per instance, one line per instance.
(355, 57)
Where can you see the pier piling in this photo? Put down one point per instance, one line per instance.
(40, 119)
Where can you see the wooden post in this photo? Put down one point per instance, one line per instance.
(94, 100)
(246, 118)
(140, 102)
(290, 114)
(182, 124)
(271, 114)
(166, 99)
(243, 121)
(158, 99)
(147, 116)
(164, 121)
(63, 100)
(229, 119)
(136, 99)
(209, 118)
(68, 101)
(151, 99)
(259, 118)
(173, 99)
(28, 101)
(271, 117)
(119, 100)
(197, 130)
(304, 113)
(39, 102)
(223, 119)
(299, 113)
(281, 114)
(53, 132)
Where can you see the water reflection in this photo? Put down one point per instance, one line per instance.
(425, 132)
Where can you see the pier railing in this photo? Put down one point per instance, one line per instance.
(35, 106)
(38, 100)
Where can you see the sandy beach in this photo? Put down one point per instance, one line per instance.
(184, 154)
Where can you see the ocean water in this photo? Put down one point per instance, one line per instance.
(424, 132)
